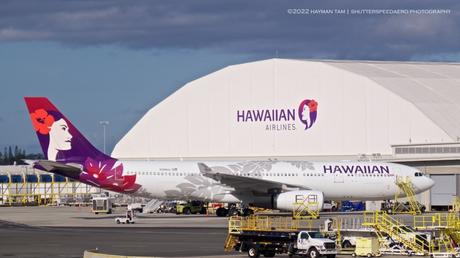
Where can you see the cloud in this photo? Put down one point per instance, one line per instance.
(257, 27)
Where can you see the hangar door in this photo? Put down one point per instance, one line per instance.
(443, 190)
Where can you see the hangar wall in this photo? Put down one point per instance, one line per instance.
(356, 113)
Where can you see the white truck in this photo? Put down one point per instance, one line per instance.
(270, 243)
(101, 203)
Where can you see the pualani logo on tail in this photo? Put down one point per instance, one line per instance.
(282, 119)
(62, 142)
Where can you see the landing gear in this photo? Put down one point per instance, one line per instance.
(221, 212)
(234, 210)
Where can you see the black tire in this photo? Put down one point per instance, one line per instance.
(313, 253)
(187, 211)
(331, 256)
(253, 251)
(353, 254)
(118, 222)
(269, 253)
(203, 210)
(233, 212)
(369, 255)
(221, 212)
(346, 244)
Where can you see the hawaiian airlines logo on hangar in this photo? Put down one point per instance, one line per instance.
(282, 119)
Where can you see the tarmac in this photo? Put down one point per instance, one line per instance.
(69, 231)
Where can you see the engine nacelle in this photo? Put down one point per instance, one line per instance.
(294, 199)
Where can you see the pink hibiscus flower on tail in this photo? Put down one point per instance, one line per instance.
(103, 174)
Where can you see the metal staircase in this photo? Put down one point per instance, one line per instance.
(447, 228)
(230, 242)
(410, 239)
(152, 206)
(406, 188)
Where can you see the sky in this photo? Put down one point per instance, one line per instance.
(114, 60)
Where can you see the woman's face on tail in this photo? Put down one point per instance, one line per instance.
(306, 113)
(60, 135)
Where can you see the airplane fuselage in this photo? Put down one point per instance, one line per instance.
(337, 180)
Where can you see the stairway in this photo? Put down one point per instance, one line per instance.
(152, 206)
(230, 243)
(384, 223)
(405, 185)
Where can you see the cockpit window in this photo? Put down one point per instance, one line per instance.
(418, 174)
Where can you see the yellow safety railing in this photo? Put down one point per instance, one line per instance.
(234, 224)
(238, 224)
(40, 192)
(406, 188)
(435, 221)
(306, 210)
(382, 222)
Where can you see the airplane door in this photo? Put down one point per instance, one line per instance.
(338, 178)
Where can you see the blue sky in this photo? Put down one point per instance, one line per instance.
(114, 60)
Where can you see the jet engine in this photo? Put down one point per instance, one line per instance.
(312, 200)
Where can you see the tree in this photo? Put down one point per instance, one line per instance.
(10, 155)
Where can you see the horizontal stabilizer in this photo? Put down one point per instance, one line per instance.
(72, 171)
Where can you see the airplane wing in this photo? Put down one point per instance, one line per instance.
(67, 170)
(248, 184)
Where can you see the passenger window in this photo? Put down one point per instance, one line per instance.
(303, 235)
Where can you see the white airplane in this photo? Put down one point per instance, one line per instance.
(267, 184)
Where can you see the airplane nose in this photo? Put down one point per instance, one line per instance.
(430, 182)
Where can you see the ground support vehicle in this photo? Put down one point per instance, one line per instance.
(266, 237)
(101, 203)
(352, 206)
(191, 207)
(127, 219)
(367, 246)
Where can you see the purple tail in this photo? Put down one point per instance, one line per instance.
(59, 139)
(64, 146)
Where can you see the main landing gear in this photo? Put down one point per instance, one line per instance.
(233, 210)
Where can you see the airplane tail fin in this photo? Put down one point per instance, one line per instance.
(59, 138)
(70, 154)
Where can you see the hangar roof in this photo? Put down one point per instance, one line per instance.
(434, 88)
(366, 107)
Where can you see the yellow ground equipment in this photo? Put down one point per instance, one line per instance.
(447, 225)
(306, 209)
(367, 246)
(269, 235)
(33, 187)
(406, 188)
(415, 242)
(267, 223)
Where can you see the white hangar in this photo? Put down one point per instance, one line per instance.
(406, 112)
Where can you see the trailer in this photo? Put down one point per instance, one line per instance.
(270, 243)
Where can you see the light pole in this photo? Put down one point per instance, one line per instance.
(104, 125)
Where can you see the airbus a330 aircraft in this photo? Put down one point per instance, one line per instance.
(267, 184)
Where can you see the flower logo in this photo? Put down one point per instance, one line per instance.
(307, 112)
(103, 174)
(42, 121)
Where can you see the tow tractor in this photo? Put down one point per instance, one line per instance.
(127, 219)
